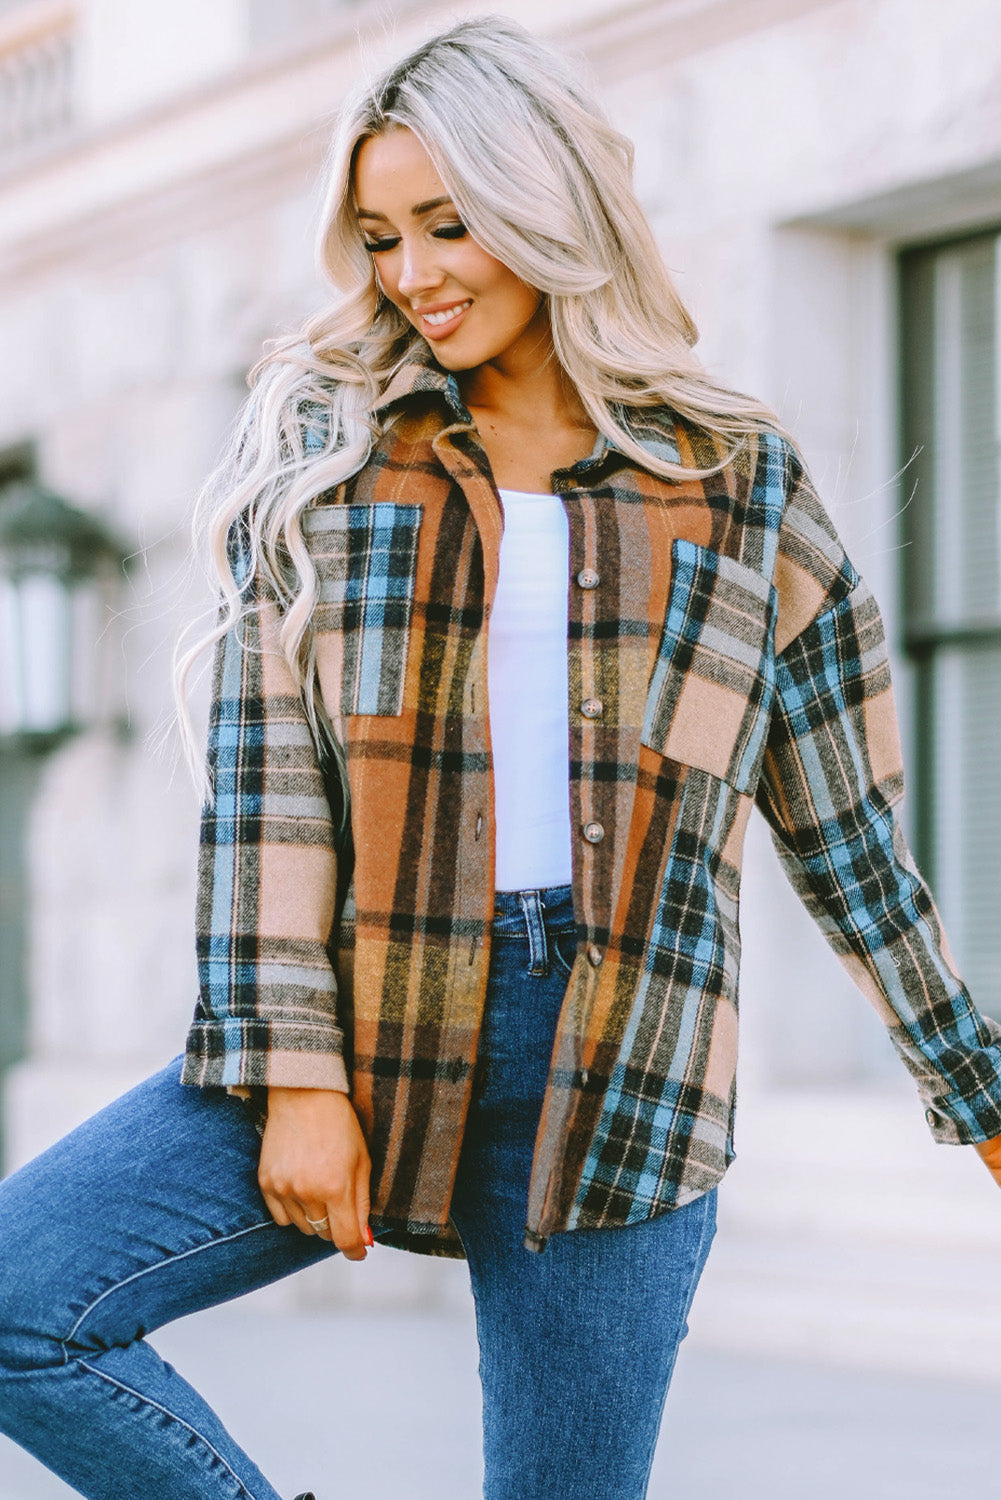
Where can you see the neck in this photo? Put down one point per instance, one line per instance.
(526, 386)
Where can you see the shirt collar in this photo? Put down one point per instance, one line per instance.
(420, 374)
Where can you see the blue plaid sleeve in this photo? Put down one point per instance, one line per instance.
(831, 786)
(267, 1010)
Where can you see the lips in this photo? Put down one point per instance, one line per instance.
(438, 322)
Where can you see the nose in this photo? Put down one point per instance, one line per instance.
(418, 273)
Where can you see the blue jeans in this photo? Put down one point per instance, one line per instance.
(151, 1210)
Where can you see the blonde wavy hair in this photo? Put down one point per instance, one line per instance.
(544, 183)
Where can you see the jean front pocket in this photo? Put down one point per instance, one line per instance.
(366, 563)
(711, 689)
(563, 950)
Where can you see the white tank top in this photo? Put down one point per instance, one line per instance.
(527, 693)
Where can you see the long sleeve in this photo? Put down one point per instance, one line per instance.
(831, 786)
(267, 879)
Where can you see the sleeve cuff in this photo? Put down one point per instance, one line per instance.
(233, 1056)
(956, 1120)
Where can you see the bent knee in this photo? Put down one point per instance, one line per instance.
(30, 1323)
(37, 1274)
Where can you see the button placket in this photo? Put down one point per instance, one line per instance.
(590, 707)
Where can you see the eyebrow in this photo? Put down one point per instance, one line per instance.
(417, 210)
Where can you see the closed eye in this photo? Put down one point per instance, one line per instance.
(389, 242)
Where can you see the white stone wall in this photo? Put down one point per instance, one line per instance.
(135, 55)
(129, 369)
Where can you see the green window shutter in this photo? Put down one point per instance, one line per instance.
(949, 310)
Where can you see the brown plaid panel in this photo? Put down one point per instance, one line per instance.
(713, 680)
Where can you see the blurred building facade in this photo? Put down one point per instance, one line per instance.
(825, 180)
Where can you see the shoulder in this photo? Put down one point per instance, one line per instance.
(775, 519)
(758, 457)
(813, 571)
(783, 524)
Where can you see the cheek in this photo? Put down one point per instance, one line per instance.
(386, 280)
(519, 299)
(482, 273)
(522, 302)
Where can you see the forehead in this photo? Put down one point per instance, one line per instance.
(394, 170)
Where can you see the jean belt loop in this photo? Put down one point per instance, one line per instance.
(535, 923)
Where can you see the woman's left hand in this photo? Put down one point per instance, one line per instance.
(990, 1152)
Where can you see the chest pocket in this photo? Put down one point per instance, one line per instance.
(713, 680)
(366, 564)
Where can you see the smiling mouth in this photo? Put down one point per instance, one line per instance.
(449, 315)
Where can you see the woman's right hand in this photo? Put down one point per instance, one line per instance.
(314, 1164)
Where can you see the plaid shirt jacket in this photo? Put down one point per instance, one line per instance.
(737, 656)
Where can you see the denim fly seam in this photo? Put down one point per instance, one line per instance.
(536, 916)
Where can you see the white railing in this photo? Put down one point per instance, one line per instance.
(37, 79)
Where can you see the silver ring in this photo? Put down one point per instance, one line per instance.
(317, 1223)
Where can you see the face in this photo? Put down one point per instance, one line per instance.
(469, 306)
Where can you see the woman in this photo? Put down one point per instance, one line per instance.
(522, 613)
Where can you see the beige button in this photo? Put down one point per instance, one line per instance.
(594, 833)
(591, 708)
(588, 578)
(594, 955)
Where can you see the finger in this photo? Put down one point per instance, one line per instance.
(300, 1217)
(317, 1220)
(276, 1209)
(345, 1230)
(286, 1211)
(363, 1206)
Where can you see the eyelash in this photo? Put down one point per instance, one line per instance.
(443, 232)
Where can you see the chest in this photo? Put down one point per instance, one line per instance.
(669, 639)
(525, 459)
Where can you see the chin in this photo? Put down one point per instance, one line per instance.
(453, 359)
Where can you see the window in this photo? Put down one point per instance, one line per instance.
(949, 316)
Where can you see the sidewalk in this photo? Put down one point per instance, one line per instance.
(385, 1406)
(845, 1341)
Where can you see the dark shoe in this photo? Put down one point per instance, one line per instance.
(306, 1495)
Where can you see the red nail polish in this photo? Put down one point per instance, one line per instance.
(368, 1236)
